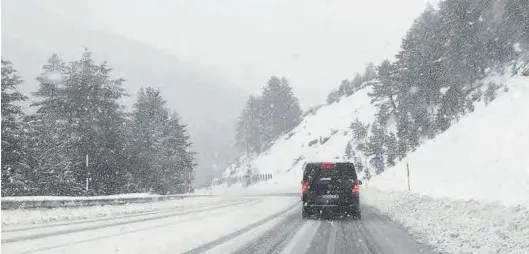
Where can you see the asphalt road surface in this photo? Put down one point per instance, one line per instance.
(372, 234)
(251, 224)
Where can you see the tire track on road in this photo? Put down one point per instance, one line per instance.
(372, 234)
(341, 236)
(237, 233)
(275, 239)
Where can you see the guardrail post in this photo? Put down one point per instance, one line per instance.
(408, 174)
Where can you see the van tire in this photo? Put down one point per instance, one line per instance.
(305, 213)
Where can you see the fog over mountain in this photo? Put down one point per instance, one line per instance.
(207, 104)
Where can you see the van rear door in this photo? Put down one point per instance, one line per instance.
(333, 179)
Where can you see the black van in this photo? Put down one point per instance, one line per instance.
(330, 187)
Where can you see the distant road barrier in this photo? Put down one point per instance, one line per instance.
(246, 179)
(10, 203)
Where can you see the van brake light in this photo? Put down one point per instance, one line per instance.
(356, 187)
(326, 165)
(305, 187)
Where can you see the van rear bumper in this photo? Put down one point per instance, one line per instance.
(321, 201)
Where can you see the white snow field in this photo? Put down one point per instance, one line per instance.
(484, 156)
(469, 185)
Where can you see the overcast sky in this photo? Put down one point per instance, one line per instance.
(314, 43)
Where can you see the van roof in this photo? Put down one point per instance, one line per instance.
(319, 162)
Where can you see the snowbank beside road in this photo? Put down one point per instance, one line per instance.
(455, 226)
(38, 216)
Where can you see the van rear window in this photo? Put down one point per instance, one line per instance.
(321, 171)
(335, 173)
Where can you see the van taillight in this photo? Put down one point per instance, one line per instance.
(326, 165)
(305, 187)
(356, 187)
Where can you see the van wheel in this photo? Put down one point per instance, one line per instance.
(305, 213)
(354, 213)
(357, 215)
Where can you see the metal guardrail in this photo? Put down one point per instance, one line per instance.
(10, 204)
(249, 179)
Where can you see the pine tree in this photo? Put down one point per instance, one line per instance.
(370, 72)
(391, 148)
(250, 126)
(349, 152)
(333, 97)
(49, 153)
(359, 130)
(176, 158)
(51, 89)
(96, 119)
(358, 164)
(357, 81)
(367, 174)
(375, 147)
(345, 88)
(490, 93)
(147, 125)
(280, 108)
(53, 148)
(161, 160)
(17, 175)
(385, 91)
(79, 102)
(433, 80)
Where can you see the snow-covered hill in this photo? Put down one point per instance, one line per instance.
(322, 135)
(481, 157)
(484, 156)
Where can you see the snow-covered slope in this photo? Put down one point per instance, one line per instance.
(484, 156)
(322, 135)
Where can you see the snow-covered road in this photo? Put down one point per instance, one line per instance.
(245, 224)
